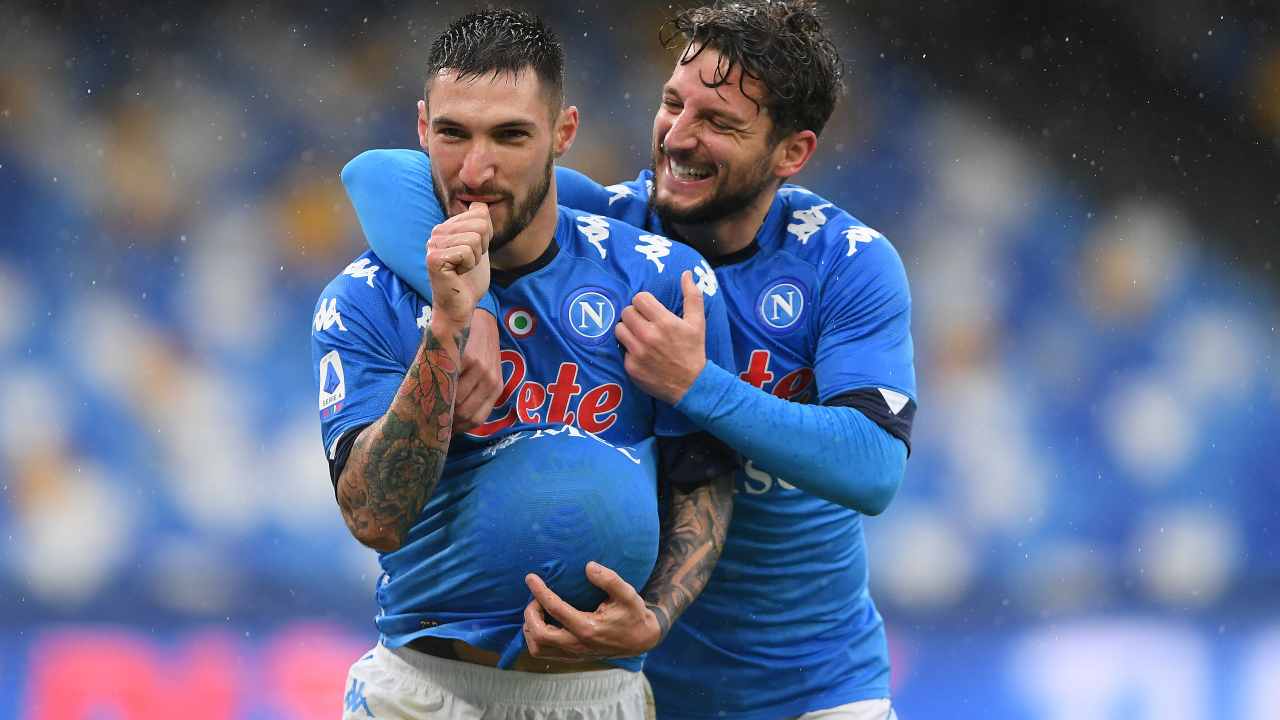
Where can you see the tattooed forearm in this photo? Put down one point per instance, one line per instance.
(692, 539)
(396, 462)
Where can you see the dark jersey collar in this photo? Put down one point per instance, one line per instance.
(505, 277)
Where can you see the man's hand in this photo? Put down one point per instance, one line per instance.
(481, 379)
(458, 265)
(622, 626)
(665, 353)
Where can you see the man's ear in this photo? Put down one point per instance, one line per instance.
(565, 131)
(793, 153)
(422, 124)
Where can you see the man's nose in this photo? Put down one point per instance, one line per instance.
(477, 166)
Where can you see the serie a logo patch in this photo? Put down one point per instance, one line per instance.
(333, 384)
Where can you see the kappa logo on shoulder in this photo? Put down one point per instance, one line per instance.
(327, 316)
(362, 269)
(781, 305)
(860, 234)
(654, 248)
(590, 313)
(618, 192)
(705, 278)
(596, 230)
(806, 222)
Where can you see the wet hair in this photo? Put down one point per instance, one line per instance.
(496, 42)
(781, 43)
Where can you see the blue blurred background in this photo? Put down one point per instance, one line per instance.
(1086, 199)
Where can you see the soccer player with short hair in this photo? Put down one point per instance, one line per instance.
(822, 398)
(567, 473)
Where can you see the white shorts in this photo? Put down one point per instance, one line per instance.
(861, 710)
(403, 684)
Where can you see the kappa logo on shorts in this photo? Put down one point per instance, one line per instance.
(590, 314)
(355, 700)
(781, 305)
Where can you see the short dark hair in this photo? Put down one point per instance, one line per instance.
(781, 43)
(498, 41)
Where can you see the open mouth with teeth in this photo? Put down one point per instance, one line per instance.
(689, 172)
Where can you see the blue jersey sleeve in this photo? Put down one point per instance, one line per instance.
(628, 201)
(397, 207)
(719, 343)
(835, 453)
(864, 335)
(576, 190)
(356, 360)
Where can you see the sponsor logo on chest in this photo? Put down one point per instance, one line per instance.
(795, 385)
(563, 401)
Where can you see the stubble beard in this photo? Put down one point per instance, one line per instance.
(726, 199)
(521, 215)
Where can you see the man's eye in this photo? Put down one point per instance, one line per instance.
(513, 134)
(670, 104)
(450, 132)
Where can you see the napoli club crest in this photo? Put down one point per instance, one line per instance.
(590, 314)
(781, 305)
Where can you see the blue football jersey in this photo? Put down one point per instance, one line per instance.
(562, 367)
(820, 310)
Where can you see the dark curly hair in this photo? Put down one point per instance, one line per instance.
(781, 43)
(498, 41)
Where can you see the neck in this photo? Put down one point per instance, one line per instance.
(533, 239)
(731, 233)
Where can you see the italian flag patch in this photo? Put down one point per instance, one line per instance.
(520, 322)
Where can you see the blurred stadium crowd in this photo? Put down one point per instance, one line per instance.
(1098, 383)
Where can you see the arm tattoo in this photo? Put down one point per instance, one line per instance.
(692, 539)
(396, 462)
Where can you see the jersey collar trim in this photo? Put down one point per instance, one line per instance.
(506, 277)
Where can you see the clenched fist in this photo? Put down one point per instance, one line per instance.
(458, 265)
